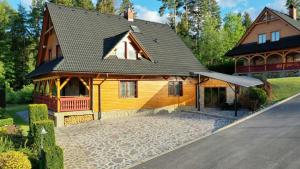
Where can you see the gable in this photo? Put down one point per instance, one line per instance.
(128, 48)
(266, 23)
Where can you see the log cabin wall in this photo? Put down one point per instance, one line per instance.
(151, 94)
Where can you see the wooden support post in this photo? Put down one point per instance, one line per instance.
(65, 83)
(58, 94)
(199, 92)
(84, 83)
(50, 87)
(236, 90)
(90, 92)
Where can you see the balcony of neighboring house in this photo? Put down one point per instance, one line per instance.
(273, 62)
(63, 94)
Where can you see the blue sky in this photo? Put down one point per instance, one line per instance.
(147, 9)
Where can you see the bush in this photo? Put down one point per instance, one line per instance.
(37, 112)
(257, 96)
(18, 97)
(52, 158)
(7, 121)
(48, 139)
(6, 144)
(14, 160)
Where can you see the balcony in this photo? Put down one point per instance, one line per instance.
(268, 67)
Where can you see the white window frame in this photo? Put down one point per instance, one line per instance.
(275, 36)
(262, 38)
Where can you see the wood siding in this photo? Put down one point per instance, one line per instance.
(151, 94)
(269, 27)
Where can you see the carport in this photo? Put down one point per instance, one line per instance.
(235, 82)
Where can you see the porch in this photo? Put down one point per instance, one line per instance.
(73, 94)
(267, 62)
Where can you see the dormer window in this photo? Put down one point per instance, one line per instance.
(275, 36)
(262, 38)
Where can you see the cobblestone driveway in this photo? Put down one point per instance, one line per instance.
(124, 142)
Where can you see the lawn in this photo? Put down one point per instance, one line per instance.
(283, 88)
(12, 109)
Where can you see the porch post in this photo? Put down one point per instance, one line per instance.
(58, 94)
(90, 92)
(199, 92)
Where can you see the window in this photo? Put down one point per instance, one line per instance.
(275, 36)
(262, 38)
(131, 52)
(175, 89)
(58, 51)
(120, 52)
(128, 89)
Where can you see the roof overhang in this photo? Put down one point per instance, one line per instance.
(243, 81)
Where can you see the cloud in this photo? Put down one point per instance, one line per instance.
(278, 5)
(149, 15)
(231, 3)
(26, 3)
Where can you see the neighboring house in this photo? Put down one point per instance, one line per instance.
(97, 66)
(271, 46)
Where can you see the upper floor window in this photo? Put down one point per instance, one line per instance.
(262, 38)
(128, 89)
(275, 36)
(175, 88)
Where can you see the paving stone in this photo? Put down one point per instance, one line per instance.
(121, 143)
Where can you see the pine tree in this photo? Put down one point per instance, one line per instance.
(105, 6)
(247, 20)
(63, 2)
(86, 4)
(124, 5)
(183, 25)
(18, 43)
(173, 7)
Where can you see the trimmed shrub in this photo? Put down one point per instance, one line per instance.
(7, 121)
(48, 139)
(21, 96)
(14, 160)
(37, 112)
(52, 158)
(258, 97)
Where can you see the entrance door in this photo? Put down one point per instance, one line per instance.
(214, 97)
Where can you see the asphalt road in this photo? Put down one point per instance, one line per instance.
(268, 141)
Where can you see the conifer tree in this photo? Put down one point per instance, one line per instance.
(86, 4)
(247, 20)
(105, 6)
(124, 5)
(63, 2)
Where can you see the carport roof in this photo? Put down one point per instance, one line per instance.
(244, 81)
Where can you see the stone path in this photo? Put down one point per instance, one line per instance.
(124, 142)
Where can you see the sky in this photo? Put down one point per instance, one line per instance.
(148, 9)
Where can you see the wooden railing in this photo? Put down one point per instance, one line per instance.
(66, 103)
(51, 102)
(74, 103)
(268, 67)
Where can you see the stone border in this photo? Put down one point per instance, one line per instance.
(221, 129)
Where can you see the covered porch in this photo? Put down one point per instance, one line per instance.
(63, 93)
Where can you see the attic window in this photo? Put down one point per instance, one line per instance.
(135, 29)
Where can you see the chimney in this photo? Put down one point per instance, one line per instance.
(128, 14)
(293, 11)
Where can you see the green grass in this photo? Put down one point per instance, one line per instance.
(283, 88)
(12, 109)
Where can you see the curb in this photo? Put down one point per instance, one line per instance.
(219, 130)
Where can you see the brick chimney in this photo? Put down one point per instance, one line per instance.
(128, 14)
(293, 12)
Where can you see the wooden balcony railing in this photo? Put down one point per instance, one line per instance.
(268, 67)
(51, 102)
(74, 103)
(66, 103)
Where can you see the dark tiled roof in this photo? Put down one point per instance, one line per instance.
(283, 43)
(86, 36)
(287, 18)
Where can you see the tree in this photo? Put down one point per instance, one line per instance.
(233, 29)
(5, 12)
(173, 7)
(105, 6)
(247, 20)
(18, 43)
(124, 5)
(63, 2)
(183, 26)
(86, 4)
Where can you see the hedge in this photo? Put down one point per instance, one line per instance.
(14, 160)
(37, 112)
(52, 158)
(7, 121)
(48, 139)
